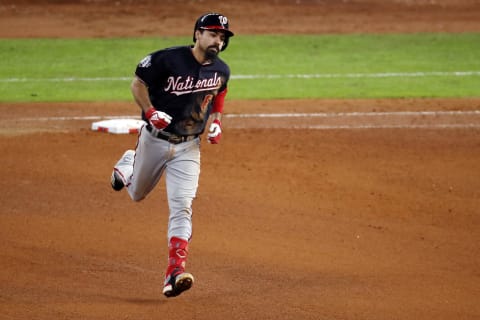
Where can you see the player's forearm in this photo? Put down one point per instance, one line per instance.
(216, 116)
(140, 94)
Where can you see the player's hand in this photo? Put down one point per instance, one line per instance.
(215, 132)
(160, 120)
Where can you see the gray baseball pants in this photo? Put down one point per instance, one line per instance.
(179, 163)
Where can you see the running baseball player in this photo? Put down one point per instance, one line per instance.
(177, 89)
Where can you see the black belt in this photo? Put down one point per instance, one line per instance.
(170, 137)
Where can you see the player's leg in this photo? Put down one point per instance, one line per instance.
(182, 175)
(140, 169)
(122, 170)
(151, 155)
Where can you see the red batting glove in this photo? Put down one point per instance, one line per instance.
(215, 132)
(160, 120)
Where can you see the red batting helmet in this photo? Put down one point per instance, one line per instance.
(213, 21)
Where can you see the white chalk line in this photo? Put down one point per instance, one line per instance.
(388, 120)
(391, 116)
(79, 118)
(269, 76)
(390, 126)
(279, 115)
(353, 114)
(362, 75)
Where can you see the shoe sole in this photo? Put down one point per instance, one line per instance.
(116, 181)
(183, 282)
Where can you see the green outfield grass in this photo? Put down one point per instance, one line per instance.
(306, 66)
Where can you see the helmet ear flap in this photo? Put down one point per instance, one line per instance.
(197, 27)
(194, 34)
(225, 44)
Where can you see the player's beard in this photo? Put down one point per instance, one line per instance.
(211, 53)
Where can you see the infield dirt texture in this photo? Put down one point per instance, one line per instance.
(307, 223)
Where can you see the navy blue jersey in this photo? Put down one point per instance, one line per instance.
(182, 87)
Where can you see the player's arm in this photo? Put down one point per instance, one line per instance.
(158, 119)
(215, 130)
(140, 94)
(216, 116)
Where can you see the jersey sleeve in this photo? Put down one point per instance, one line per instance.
(147, 68)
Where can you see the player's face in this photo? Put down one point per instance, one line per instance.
(211, 42)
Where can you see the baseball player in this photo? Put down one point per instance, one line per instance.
(177, 89)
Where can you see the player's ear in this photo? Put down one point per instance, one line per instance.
(197, 33)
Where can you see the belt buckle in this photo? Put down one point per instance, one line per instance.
(175, 139)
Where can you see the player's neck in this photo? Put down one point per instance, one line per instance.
(200, 56)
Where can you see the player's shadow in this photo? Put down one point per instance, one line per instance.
(145, 301)
(132, 300)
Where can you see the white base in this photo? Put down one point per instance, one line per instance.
(118, 126)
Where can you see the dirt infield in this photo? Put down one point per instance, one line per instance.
(378, 221)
